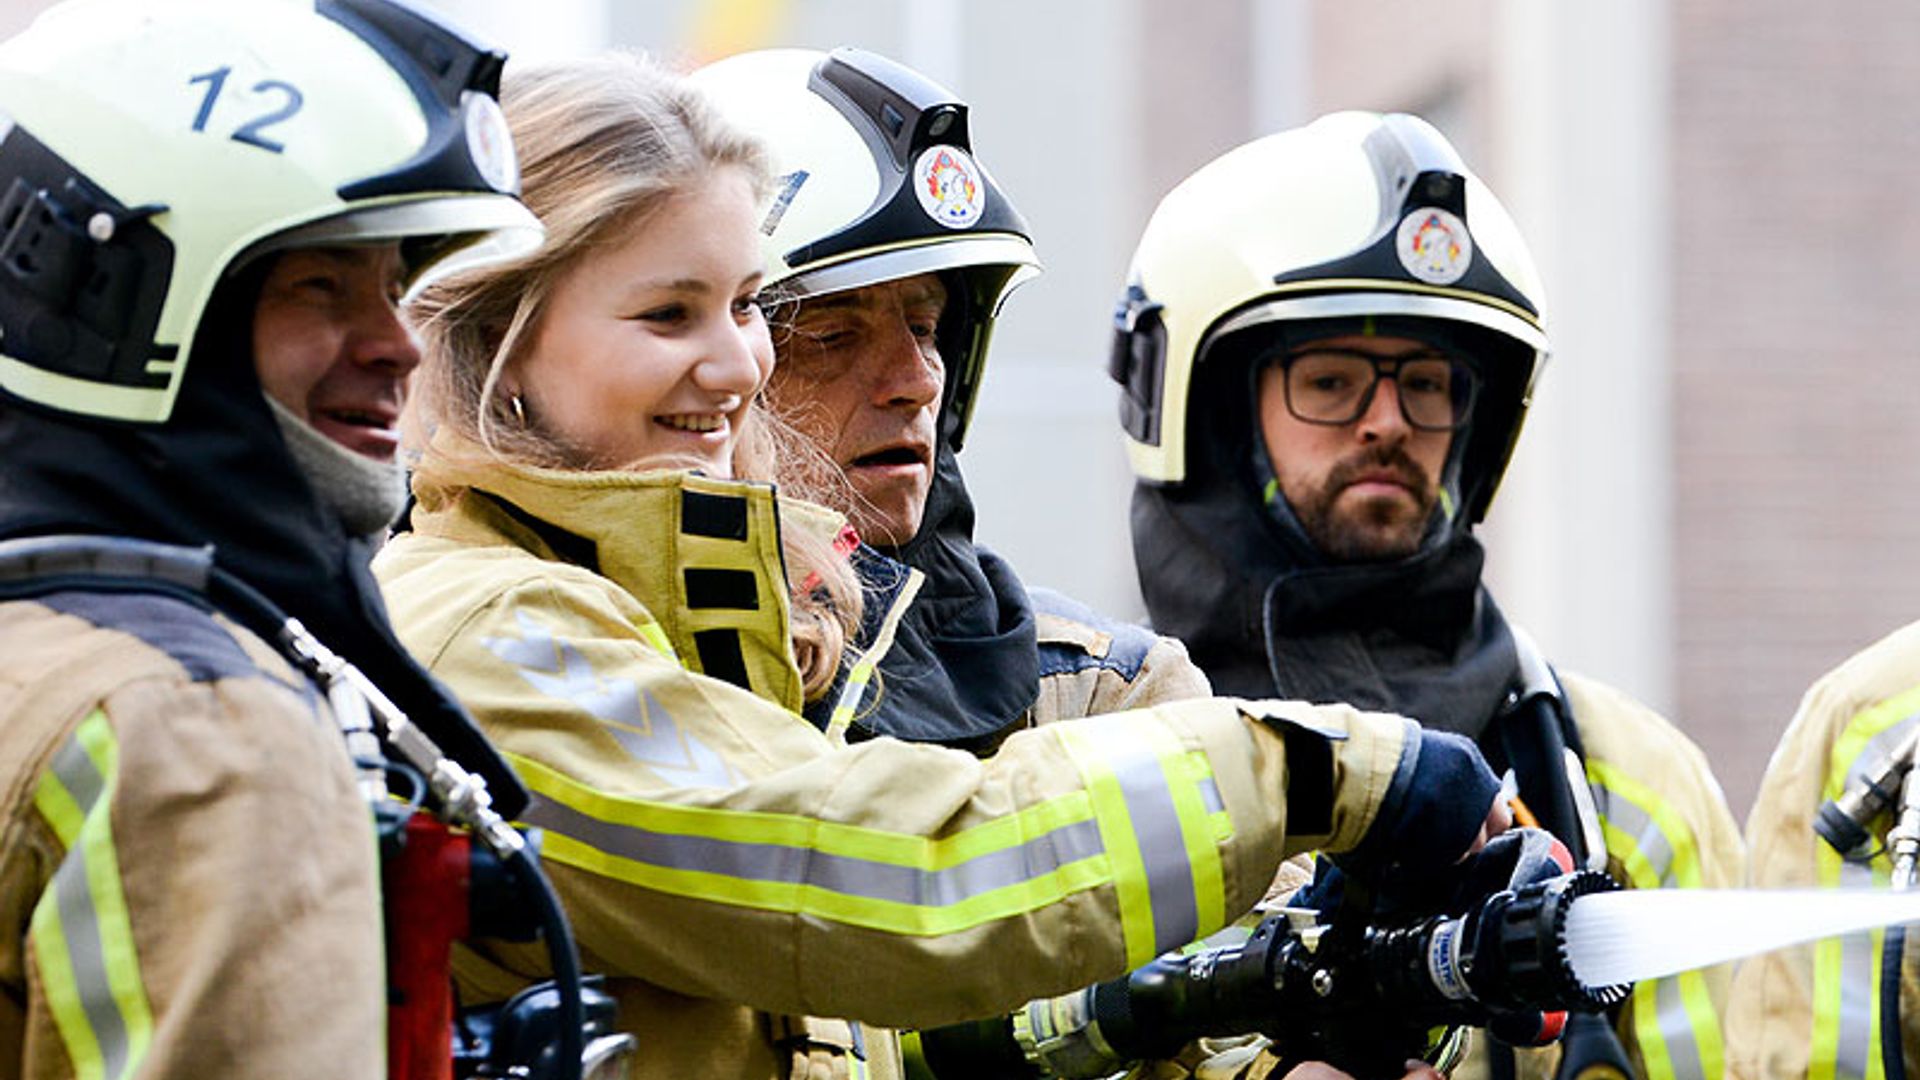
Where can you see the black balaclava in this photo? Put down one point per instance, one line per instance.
(1226, 566)
(965, 662)
(218, 472)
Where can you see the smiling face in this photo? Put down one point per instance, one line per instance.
(651, 349)
(861, 377)
(1364, 490)
(329, 344)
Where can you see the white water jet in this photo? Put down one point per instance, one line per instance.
(1626, 936)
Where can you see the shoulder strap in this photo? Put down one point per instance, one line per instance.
(38, 565)
(1542, 746)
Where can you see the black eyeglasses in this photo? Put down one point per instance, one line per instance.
(1335, 386)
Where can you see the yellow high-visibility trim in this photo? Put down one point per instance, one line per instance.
(862, 673)
(854, 690)
(50, 950)
(1702, 1017)
(1200, 830)
(1130, 882)
(1860, 731)
(652, 634)
(1823, 1050)
(87, 834)
(109, 897)
(805, 899)
(794, 830)
(56, 804)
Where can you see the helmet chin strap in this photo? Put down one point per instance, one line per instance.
(366, 494)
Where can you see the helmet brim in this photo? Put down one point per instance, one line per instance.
(1382, 302)
(468, 229)
(871, 267)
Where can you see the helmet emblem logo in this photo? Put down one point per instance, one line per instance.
(1434, 246)
(949, 185)
(490, 144)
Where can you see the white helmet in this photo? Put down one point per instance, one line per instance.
(1355, 216)
(876, 182)
(151, 148)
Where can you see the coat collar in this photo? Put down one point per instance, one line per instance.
(703, 556)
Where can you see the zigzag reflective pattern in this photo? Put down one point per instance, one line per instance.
(636, 719)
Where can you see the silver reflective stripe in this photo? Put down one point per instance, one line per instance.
(1156, 829)
(842, 874)
(1210, 794)
(1676, 1026)
(1647, 836)
(1669, 1004)
(80, 919)
(1859, 986)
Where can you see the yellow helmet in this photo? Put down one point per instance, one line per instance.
(876, 182)
(1355, 216)
(151, 148)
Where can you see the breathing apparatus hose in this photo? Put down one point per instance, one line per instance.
(1535, 740)
(565, 958)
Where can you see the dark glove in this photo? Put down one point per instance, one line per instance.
(1432, 814)
(1514, 858)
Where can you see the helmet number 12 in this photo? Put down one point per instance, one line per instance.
(253, 132)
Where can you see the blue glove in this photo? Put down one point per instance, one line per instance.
(1439, 800)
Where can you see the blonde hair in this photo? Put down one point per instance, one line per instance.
(604, 143)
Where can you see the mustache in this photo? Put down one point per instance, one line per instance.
(1391, 459)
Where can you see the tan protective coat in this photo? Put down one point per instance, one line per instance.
(1814, 1009)
(587, 678)
(219, 909)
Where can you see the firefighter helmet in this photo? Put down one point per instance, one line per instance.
(1355, 216)
(875, 181)
(151, 148)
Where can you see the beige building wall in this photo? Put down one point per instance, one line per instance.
(1797, 364)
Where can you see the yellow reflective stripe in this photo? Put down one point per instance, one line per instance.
(890, 916)
(1845, 1040)
(652, 634)
(1157, 825)
(1196, 798)
(1862, 730)
(82, 934)
(798, 830)
(1123, 845)
(901, 883)
(50, 950)
(850, 698)
(1634, 811)
(862, 673)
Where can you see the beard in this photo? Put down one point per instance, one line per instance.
(1376, 529)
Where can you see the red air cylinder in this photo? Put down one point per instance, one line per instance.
(426, 882)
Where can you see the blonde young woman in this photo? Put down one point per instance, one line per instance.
(613, 604)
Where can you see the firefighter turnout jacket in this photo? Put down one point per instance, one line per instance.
(1817, 1010)
(623, 637)
(188, 877)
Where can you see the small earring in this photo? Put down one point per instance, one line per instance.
(519, 410)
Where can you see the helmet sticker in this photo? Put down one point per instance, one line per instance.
(789, 186)
(490, 143)
(1434, 246)
(949, 186)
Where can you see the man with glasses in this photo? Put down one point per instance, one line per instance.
(1327, 348)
